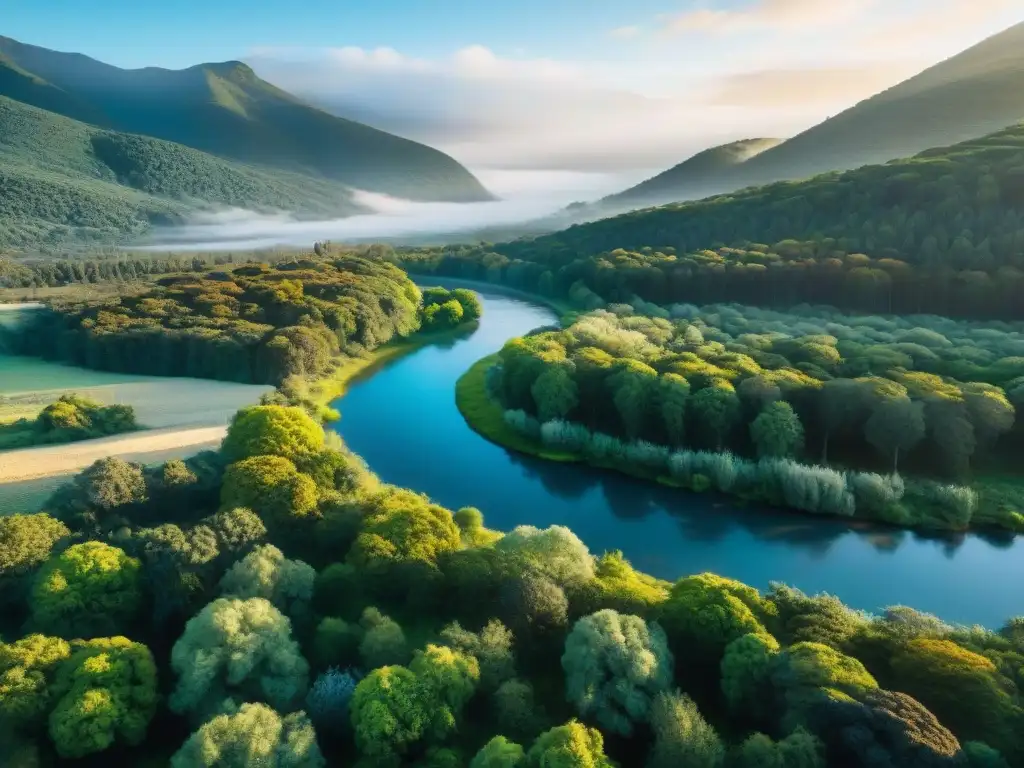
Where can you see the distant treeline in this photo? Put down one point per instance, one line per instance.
(255, 324)
(940, 233)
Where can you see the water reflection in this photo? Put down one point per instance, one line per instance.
(403, 420)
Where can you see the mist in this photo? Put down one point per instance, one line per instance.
(525, 196)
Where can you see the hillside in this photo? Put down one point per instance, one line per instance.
(979, 91)
(941, 232)
(224, 109)
(690, 179)
(62, 180)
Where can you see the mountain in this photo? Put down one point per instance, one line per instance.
(62, 181)
(691, 178)
(225, 110)
(951, 208)
(979, 91)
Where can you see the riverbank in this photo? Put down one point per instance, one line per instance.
(324, 390)
(562, 308)
(486, 417)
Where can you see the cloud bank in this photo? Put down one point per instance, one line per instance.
(656, 90)
(527, 197)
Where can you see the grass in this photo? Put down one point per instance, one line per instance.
(486, 417)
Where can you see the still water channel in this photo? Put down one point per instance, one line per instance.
(402, 419)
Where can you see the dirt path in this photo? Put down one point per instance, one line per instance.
(147, 446)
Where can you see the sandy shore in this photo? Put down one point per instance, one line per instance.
(147, 446)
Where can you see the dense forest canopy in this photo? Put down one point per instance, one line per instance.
(253, 323)
(275, 601)
(941, 233)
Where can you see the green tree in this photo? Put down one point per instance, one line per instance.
(389, 714)
(614, 666)
(106, 692)
(554, 393)
(746, 675)
(27, 670)
(716, 408)
(704, 613)
(673, 395)
(89, 589)
(964, 689)
(681, 735)
(272, 487)
(272, 430)
(572, 745)
(237, 647)
(491, 647)
(249, 735)
(634, 392)
(896, 424)
(26, 542)
(383, 641)
(499, 752)
(447, 679)
(777, 431)
(266, 572)
(799, 749)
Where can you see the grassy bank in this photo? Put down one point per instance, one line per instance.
(324, 390)
(996, 509)
(487, 419)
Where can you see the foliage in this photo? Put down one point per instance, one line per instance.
(106, 692)
(799, 749)
(237, 647)
(747, 668)
(252, 325)
(272, 430)
(447, 309)
(272, 487)
(681, 734)
(70, 418)
(88, 590)
(27, 670)
(26, 541)
(943, 676)
(499, 752)
(556, 552)
(330, 695)
(615, 665)
(266, 572)
(572, 745)
(252, 734)
(491, 647)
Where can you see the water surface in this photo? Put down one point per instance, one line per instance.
(403, 420)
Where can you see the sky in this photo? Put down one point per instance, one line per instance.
(586, 94)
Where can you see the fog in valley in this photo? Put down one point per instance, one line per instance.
(523, 196)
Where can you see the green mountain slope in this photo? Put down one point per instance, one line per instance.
(63, 180)
(226, 110)
(692, 178)
(959, 207)
(974, 93)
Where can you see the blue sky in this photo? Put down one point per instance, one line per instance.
(131, 33)
(618, 86)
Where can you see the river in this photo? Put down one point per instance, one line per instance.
(403, 420)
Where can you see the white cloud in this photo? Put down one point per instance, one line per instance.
(625, 33)
(802, 14)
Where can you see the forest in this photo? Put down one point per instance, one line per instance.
(253, 323)
(275, 601)
(939, 233)
(69, 418)
(824, 414)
